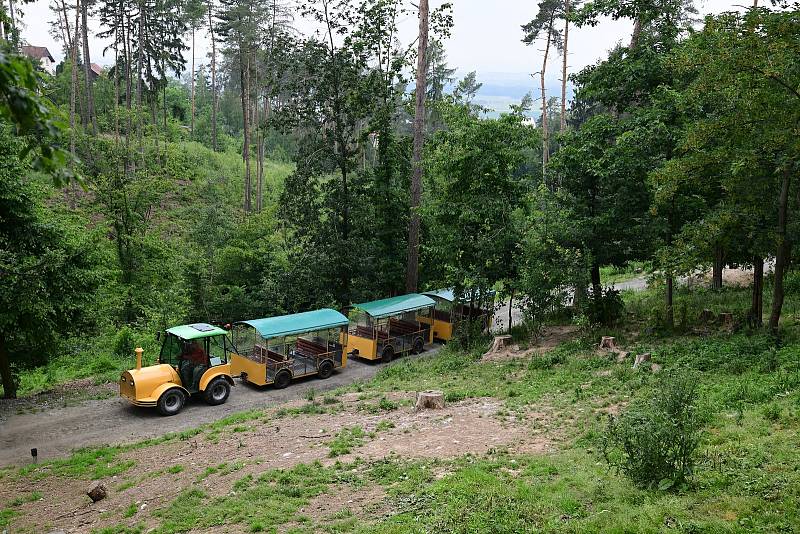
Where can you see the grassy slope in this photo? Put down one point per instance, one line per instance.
(747, 477)
(198, 172)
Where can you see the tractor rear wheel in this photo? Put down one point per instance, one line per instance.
(418, 346)
(217, 391)
(387, 355)
(282, 379)
(325, 369)
(171, 401)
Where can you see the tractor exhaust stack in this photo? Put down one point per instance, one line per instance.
(138, 352)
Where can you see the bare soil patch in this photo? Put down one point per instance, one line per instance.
(214, 460)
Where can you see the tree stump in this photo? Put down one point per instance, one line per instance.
(433, 400)
(609, 343)
(499, 343)
(640, 359)
(726, 320)
(622, 356)
(96, 492)
(706, 317)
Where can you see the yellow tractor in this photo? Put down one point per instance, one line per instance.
(194, 359)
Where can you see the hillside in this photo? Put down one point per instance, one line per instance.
(519, 446)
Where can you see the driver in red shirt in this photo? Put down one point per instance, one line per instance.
(196, 354)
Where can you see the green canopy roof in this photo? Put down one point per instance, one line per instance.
(450, 296)
(395, 305)
(444, 294)
(297, 323)
(196, 331)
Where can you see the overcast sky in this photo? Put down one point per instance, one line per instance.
(485, 38)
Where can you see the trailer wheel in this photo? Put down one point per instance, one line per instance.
(418, 346)
(325, 369)
(217, 391)
(171, 401)
(387, 354)
(282, 379)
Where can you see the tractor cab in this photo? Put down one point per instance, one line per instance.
(194, 359)
(191, 354)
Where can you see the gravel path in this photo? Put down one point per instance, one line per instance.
(57, 431)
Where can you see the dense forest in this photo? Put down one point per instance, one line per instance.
(304, 170)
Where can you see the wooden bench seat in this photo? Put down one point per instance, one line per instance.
(399, 327)
(309, 348)
(262, 354)
(368, 333)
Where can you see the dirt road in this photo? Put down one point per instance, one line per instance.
(57, 431)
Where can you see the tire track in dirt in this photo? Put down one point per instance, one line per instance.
(57, 431)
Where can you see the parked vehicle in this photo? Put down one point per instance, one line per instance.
(385, 328)
(193, 360)
(448, 313)
(275, 350)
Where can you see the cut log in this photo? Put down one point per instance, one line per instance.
(608, 342)
(432, 400)
(640, 359)
(96, 492)
(499, 343)
(622, 356)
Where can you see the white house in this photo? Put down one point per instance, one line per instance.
(42, 54)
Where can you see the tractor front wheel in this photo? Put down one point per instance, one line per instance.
(217, 391)
(171, 401)
(418, 346)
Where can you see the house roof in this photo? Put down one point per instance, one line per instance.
(395, 305)
(37, 52)
(297, 323)
(97, 69)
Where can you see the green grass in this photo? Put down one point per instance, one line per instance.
(612, 275)
(262, 503)
(346, 440)
(747, 476)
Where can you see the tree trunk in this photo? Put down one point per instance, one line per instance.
(637, 31)
(244, 76)
(510, 307)
(89, 83)
(68, 33)
(116, 85)
(757, 303)
(213, 80)
(140, 64)
(259, 144)
(412, 267)
(719, 265)
(9, 384)
(564, 69)
(670, 315)
(597, 286)
(545, 128)
(191, 123)
(783, 253)
(72, 98)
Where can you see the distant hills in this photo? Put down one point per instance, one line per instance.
(502, 89)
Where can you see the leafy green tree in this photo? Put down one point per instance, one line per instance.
(476, 195)
(48, 270)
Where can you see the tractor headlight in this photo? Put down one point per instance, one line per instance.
(131, 383)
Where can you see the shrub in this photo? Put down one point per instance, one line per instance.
(604, 307)
(124, 343)
(654, 441)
